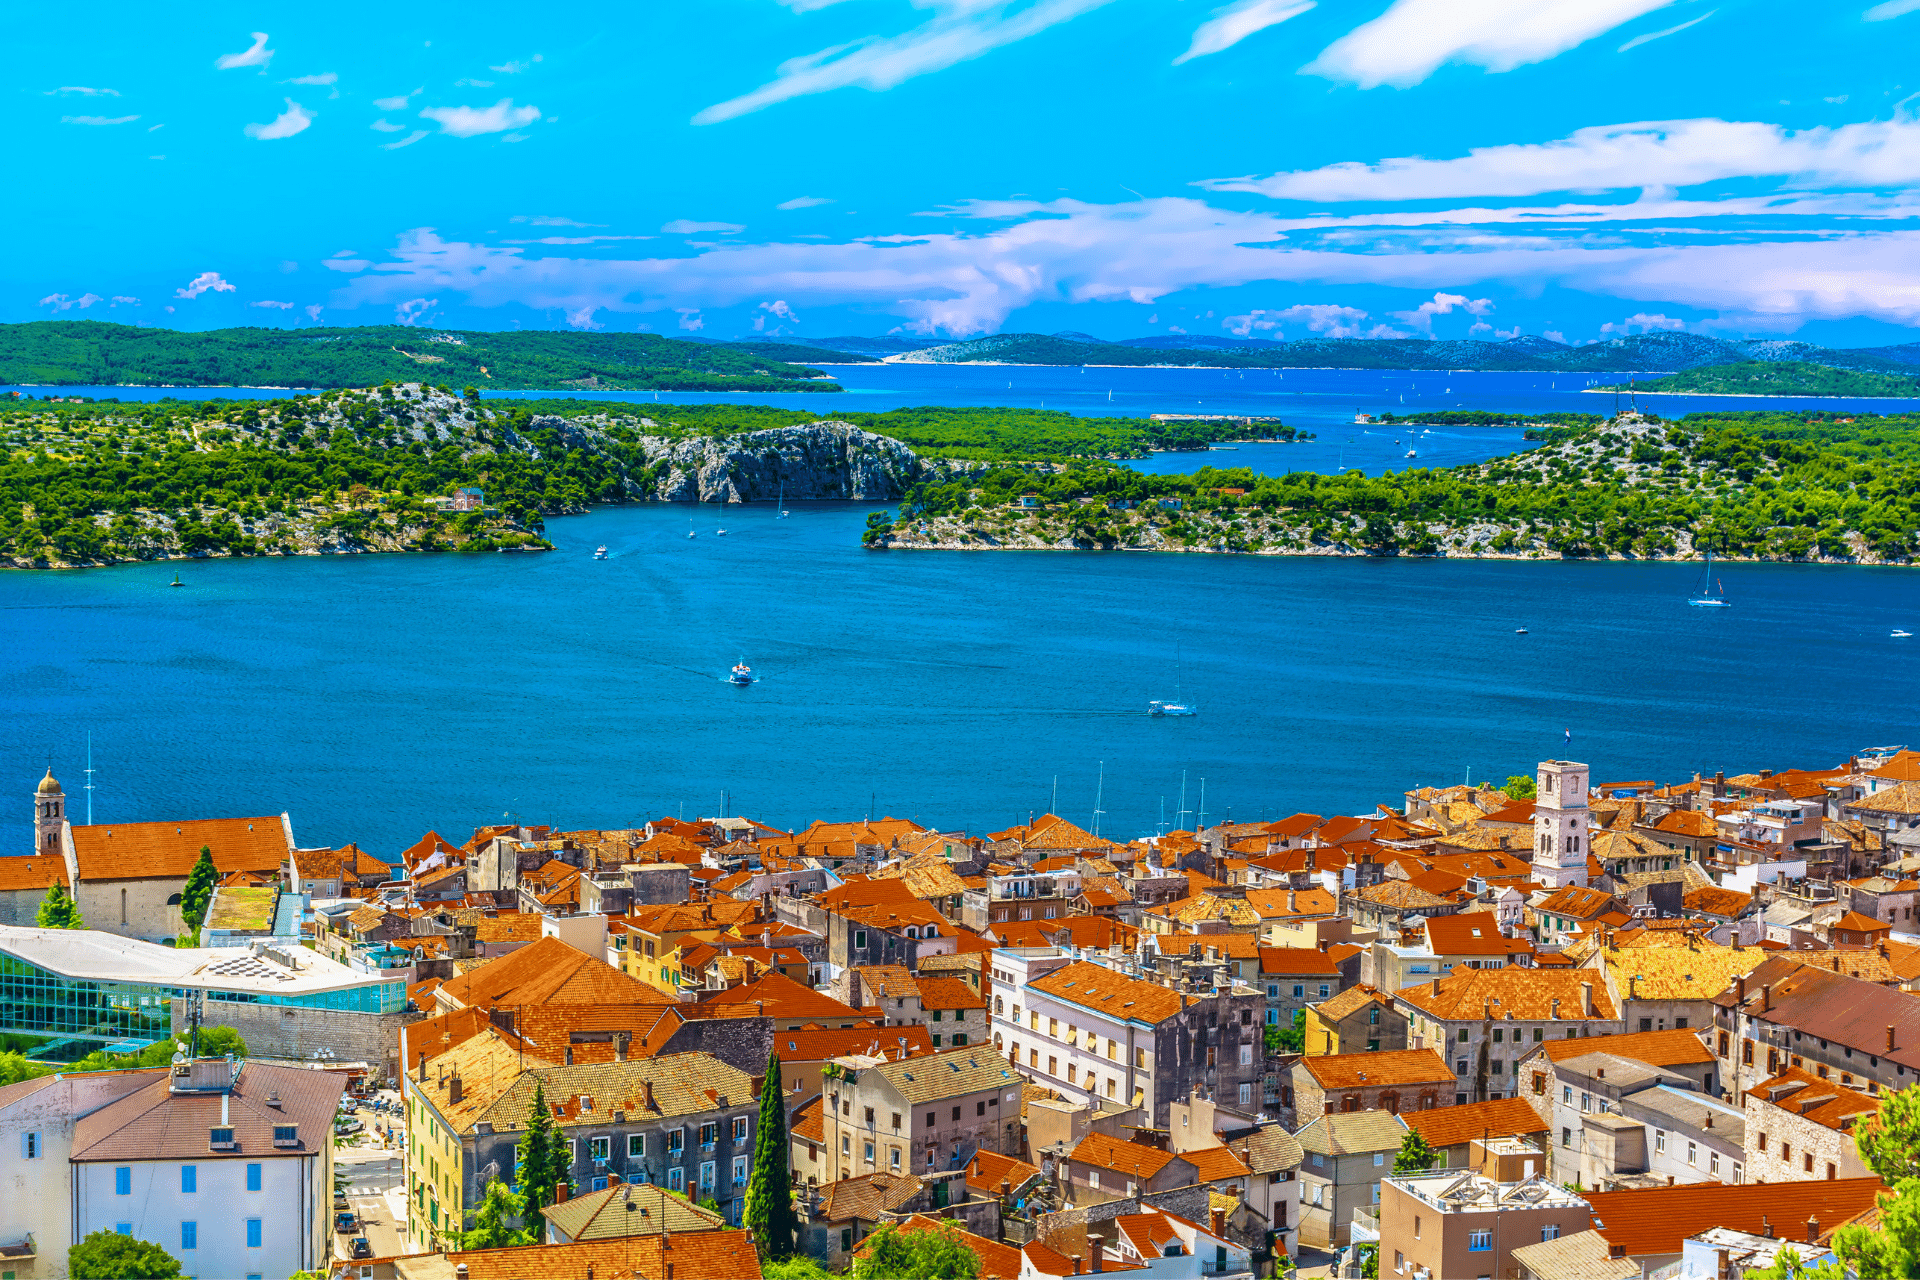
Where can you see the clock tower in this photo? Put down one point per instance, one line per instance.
(1560, 824)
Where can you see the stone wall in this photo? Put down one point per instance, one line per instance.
(277, 1031)
(741, 1043)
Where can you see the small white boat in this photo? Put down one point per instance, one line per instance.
(742, 674)
(1411, 454)
(1519, 631)
(1715, 595)
(1172, 709)
(1898, 634)
(780, 503)
(600, 553)
(690, 532)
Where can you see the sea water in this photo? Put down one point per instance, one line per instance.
(373, 697)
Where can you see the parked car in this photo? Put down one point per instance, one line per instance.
(361, 1249)
(346, 1221)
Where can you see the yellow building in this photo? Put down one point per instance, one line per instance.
(1358, 1020)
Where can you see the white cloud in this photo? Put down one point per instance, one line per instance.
(413, 310)
(396, 103)
(780, 309)
(576, 239)
(1644, 323)
(61, 302)
(958, 31)
(1234, 23)
(1327, 319)
(470, 122)
(294, 119)
(120, 300)
(268, 303)
(1650, 36)
(473, 84)
(80, 91)
(387, 126)
(1421, 317)
(256, 56)
(1660, 153)
(690, 318)
(202, 283)
(515, 68)
(542, 220)
(325, 77)
(98, 120)
(1554, 335)
(1891, 9)
(685, 227)
(1411, 40)
(313, 310)
(582, 318)
(803, 202)
(407, 141)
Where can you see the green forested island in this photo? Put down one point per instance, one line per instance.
(1779, 378)
(94, 353)
(1758, 485)
(90, 482)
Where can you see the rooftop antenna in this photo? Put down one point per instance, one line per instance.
(1099, 798)
(89, 777)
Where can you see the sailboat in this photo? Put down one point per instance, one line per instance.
(690, 532)
(1713, 593)
(1179, 706)
(781, 503)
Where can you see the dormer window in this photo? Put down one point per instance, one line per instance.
(220, 1138)
(286, 1135)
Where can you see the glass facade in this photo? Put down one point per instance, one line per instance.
(38, 1001)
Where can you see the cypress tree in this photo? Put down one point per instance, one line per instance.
(198, 893)
(58, 910)
(770, 1186)
(536, 1153)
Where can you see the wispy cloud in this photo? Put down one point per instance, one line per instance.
(470, 122)
(1637, 41)
(1230, 25)
(958, 31)
(80, 91)
(204, 282)
(1654, 153)
(120, 300)
(295, 119)
(691, 319)
(398, 102)
(514, 68)
(1644, 323)
(1328, 319)
(1891, 9)
(61, 302)
(324, 78)
(258, 55)
(544, 220)
(684, 227)
(413, 310)
(575, 239)
(98, 120)
(407, 141)
(1414, 38)
(387, 126)
(270, 304)
(803, 202)
(473, 84)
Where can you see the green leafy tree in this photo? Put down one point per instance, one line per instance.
(58, 910)
(798, 1267)
(490, 1226)
(936, 1253)
(1889, 1144)
(539, 1152)
(108, 1255)
(1415, 1155)
(1522, 787)
(1369, 1260)
(1291, 1039)
(1788, 1266)
(198, 895)
(770, 1185)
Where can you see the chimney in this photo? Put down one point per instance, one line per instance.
(1740, 989)
(1766, 1227)
(1436, 987)
(1709, 1123)
(453, 1088)
(1554, 1011)
(1095, 1245)
(1219, 1222)
(1586, 998)
(1291, 909)
(1813, 1228)
(561, 1190)
(423, 1066)
(1889, 1039)
(1669, 1179)
(646, 1093)
(1766, 996)
(1720, 1264)
(1076, 1264)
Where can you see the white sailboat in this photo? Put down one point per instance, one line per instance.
(781, 503)
(1179, 706)
(690, 532)
(1713, 594)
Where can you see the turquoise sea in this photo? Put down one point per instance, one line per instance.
(373, 697)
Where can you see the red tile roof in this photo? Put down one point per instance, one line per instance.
(1498, 1118)
(1655, 1221)
(168, 850)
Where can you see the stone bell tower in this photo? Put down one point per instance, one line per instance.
(1560, 824)
(49, 815)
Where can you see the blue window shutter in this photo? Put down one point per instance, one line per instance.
(189, 1178)
(123, 1181)
(189, 1235)
(124, 1228)
(253, 1177)
(253, 1233)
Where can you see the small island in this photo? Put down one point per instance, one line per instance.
(1776, 378)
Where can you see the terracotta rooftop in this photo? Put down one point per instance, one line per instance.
(707, 1255)
(1096, 987)
(168, 850)
(1217, 1164)
(1137, 1162)
(989, 1168)
(997, 1261)
(1821, 1101)
(1655, 1048)
(604, 1215)
(866, 1197)
(1852, 1012)
(1298, 960)
(35, 872)
(1371, 1070)
(1498, 1118)
(549, 971)
(1528, 995)
(1654, 1222)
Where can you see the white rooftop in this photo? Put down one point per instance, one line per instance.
(94, 956)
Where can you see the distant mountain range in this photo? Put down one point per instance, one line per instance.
(1649, 352)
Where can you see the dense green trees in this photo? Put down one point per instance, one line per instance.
(1782, 378)
(58, 910)
(770, 1183)
(935, 1253)
(490, 1225)
(108, 1255)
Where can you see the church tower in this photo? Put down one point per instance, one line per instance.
(1560, 824)
(49, 815)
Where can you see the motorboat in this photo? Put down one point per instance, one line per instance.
(1898, 634)
(600, 553)
(1172, 709)
(742, 674)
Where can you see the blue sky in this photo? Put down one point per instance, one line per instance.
(1270, 168)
